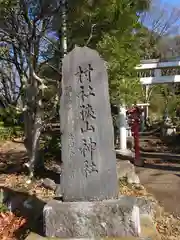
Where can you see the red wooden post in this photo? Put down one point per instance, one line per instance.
(136, 140)
(135, 116)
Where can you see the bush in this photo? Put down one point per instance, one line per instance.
(51, 144)
(3, 208)
(10, 123)
(10, 117)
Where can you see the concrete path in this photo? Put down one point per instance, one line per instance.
(162, 178)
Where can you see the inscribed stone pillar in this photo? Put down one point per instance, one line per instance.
(88, 156)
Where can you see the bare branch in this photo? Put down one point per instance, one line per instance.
(161, 18)
(91, 34)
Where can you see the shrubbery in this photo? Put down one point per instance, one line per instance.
(11, 124)
(51, 144)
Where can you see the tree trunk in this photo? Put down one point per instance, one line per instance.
(33, 128)
(34, 159)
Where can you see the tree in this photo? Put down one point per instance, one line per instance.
(22, 30)
(160, 22)
(122, 57)
(122, 52)
(98, 24)
(9, 87)
(30, 36)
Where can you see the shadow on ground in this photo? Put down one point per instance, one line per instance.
(12, 162)
(162, 167)
(28, 207)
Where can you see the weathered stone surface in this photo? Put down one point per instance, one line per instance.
(109, 218)
(56, 168)
(88, 156)
(49, 183)
(123, 168)
(149, 230)
(146, 206)
(58, 191)
(132, 178)
(34, 236)
(125, 154)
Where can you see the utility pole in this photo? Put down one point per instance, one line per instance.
(147, 100)
(64, 28)
(63, 41)
(122, 128)
(63, 48)
(123, 150)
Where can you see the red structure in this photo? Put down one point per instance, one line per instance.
(134, 121)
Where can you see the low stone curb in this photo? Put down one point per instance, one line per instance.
(34, 236)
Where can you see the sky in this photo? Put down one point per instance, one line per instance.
(164, 13)
(174, 2)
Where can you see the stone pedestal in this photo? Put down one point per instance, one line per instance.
(108, 218)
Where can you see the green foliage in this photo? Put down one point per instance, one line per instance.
(51, 144)
(149, 43)
(164, 99)
(10, 124)
(4, 51)
(7, 133)
(111, 27)
(108, 16)
(3, 208)
(122, 57)
(121, 49)
(6, 5)
(10, 116)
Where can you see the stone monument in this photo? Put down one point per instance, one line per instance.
(89, 179)
(89, 160)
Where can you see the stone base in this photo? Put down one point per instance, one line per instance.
(34, 236)
(110, 218)
(149, 232)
